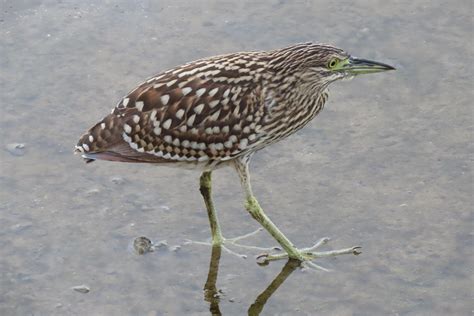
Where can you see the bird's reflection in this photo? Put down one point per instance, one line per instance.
(212, 294)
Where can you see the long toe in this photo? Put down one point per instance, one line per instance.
(226, 243)
(308, 254)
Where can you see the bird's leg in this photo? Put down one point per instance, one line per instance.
(218, 239)
(255, 210)
(253, 207)
(205, 188)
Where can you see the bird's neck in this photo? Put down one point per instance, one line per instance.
(292, 102)
(295, 93)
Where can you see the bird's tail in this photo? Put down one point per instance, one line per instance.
(104, 141)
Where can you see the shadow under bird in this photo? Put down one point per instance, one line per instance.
(219, 111)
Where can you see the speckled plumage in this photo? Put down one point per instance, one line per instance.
(215, 109)
(220, 110)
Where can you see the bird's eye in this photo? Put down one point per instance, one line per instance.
(333, 62)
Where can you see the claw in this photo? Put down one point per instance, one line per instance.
(308, 254)
(325, 240)
(262, 259)
(356, 250)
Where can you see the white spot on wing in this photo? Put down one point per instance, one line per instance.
(243, 143)
(180, 113)
(215, 116)
(136, 119)
(213, 92)
(125, 101)
(200, 92)
(236, 111)
(127, 128)
(86, 147)
(186, 90)
(102, 125)
(190, 121)
(198, 109)
(213, 103)
(139, 105)
(172, 82)
(167, 124)
(153, 115)
(203, 158)
(91, 138)
(164, 99)
(126, 138)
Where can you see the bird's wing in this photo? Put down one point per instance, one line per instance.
(200, 111)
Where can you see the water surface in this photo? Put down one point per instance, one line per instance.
(387, 165)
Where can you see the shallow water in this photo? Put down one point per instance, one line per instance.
(387, 165)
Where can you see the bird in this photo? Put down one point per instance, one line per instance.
(219, 111)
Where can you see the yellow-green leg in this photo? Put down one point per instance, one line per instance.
(217, 238)
(205, 188)
(255, 210)
(257, 213)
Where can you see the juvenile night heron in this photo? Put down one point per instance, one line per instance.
(219, 111)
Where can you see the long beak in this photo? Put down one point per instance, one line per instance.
(358, 66)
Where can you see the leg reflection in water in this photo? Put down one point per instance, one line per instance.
(212, 294)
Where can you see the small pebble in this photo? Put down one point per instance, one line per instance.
(92, 191)
(16, 149)
(21, 227)
(142, 245)
(118, 180)
(81, 289)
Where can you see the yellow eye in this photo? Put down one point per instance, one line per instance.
(333, 62)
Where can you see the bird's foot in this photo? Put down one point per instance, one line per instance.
(222, 242)
(305, 255)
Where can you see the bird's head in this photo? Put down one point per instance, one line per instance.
(320, 64)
